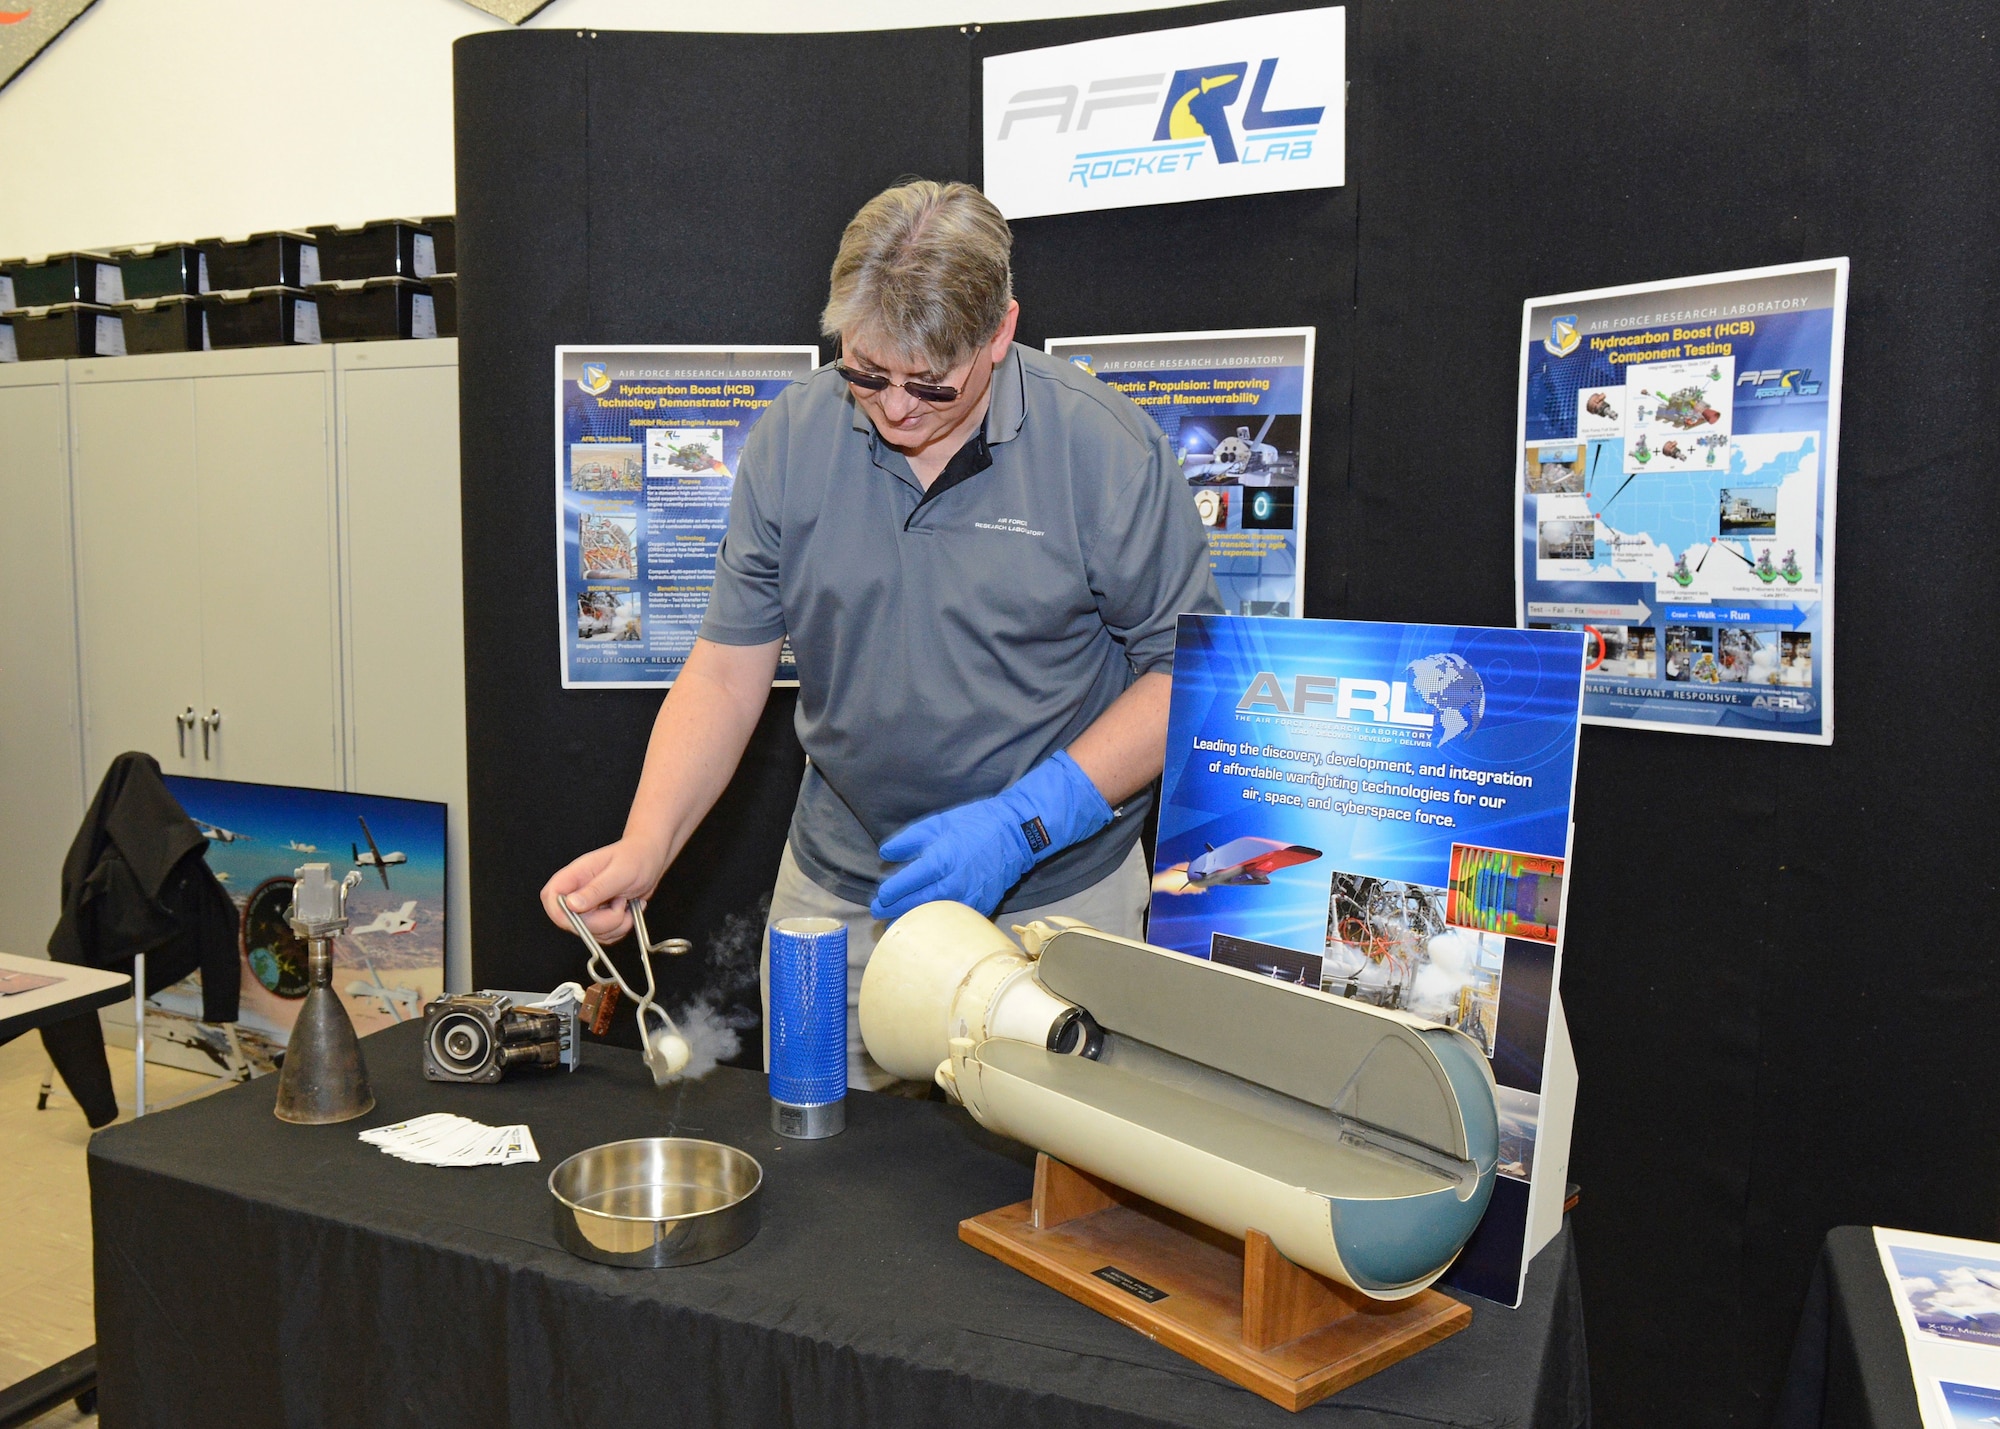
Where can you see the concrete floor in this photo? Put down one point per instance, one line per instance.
(45, 1290)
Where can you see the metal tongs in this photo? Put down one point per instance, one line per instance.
(666, 1051)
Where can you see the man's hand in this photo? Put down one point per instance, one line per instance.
(974, 853)
(598, 884)
(703, 724)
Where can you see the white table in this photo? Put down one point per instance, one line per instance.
(81, 989)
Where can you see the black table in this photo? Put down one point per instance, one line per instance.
(254, 1273)
(1850, 1368)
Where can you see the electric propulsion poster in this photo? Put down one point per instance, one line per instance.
(1382, 812)
(1675, 496)
(647, 442)
(1236, 407)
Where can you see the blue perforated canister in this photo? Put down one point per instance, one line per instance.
(808, 1027)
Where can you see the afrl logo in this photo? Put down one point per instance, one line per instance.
(1198, 102)
(1168, 115)
(1194, 121)
(1784, 704)
(1779, 382)
(1347, 699)
(1196, 107)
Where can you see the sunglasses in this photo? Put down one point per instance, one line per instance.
(876, 382)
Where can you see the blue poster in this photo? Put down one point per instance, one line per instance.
(1382, 812)
(1970, 1406)
(647, 442)
(1675, 496)
(1237, 408)
(391, 959)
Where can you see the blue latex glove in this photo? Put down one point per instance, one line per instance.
(974, 853)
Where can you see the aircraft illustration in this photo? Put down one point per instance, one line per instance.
(1245, 860)
(400, 921)
(1272, 970)
(375, 858)
(399, 1002)
(1244, 459)
(296, 847)
(216, 834)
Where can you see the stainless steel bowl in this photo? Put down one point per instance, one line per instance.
(656, 1201)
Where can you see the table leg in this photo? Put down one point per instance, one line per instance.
(139, 1035)
(27, 1400)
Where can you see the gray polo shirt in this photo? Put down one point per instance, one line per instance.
(948, 645)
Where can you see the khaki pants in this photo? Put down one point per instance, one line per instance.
(1116, 904)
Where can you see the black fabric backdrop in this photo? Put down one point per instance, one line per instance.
(1778, 978)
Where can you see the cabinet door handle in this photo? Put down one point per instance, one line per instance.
(210, 721)
(183, 722)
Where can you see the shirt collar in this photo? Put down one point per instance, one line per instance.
(1010, 400)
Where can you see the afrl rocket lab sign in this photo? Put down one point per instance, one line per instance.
(1208, 111)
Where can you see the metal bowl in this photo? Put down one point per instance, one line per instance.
(656, 1201)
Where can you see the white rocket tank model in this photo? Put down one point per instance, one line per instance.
(1363, 1142)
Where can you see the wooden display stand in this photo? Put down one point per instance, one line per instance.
(1237, 1307)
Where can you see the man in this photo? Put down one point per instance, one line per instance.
(979, 553)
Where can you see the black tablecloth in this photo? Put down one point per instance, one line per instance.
(1850, 1368)
(254, 1273)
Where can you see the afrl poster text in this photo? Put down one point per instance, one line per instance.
(647, 441)
(1675, 495)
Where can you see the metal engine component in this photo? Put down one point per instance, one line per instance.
(1364, 1142)
(324, 1078)
(477, 1036)
(949, 973)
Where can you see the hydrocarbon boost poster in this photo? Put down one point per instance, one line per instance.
(1382, 812)
(1237, 408)
(1675, 495)
(647, 441)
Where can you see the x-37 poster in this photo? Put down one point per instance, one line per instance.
(647, 442)
(1382, 812)
(1675, 496)
(1237, 408)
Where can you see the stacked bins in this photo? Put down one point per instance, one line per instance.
(375, 281)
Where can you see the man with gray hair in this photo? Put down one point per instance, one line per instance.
(978, 552)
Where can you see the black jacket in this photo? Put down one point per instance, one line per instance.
(135, 882)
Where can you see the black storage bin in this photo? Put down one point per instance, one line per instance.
(265, 317)
(444, 240)
(63, 278)
(444, 303)
(375, 309)
(178, 323)
(67, 330)
(283, 259)
(390, 248)
(161, 270)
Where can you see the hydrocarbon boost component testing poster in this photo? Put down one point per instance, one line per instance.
(1675, 496)
(1382, 812)
(1237, 408)
(647, 442)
